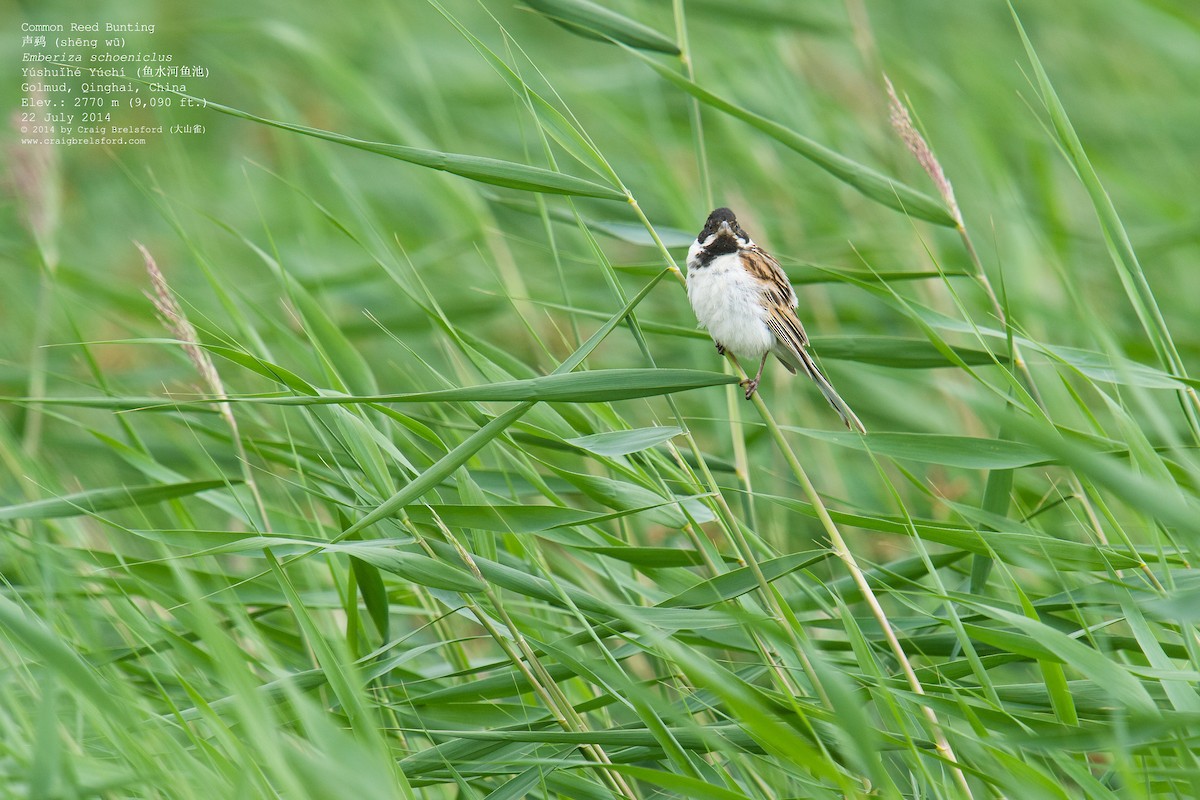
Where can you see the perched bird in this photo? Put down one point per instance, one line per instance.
(743, 298)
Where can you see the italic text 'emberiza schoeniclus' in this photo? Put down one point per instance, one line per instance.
(743, 298)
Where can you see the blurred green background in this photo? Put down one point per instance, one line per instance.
(368, 275)
(400, 73)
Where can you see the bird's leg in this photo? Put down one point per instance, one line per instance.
(751, 385)
(737, 364)
(720, 349)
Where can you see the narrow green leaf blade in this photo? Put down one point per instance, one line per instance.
(109, 499)
(597, 22)
(968, 452)
(593, 386)
(420, 569)
(374, 594)
(1125, 688)
(897, 352)
(622, 443)
(740, 581)
(440, 470)
(493, 171)
(870, 182)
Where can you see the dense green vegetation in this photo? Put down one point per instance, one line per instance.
(484, 515)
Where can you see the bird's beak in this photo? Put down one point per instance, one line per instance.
(724, 230)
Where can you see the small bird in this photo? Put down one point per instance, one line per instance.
(743, 298)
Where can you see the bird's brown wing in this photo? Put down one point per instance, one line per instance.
(778, 298)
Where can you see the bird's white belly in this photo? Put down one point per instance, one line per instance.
(728, 304)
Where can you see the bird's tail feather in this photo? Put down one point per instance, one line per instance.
(804, 362)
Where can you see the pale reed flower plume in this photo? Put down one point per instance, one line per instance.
(912, 138)
(178, 324)
(35, 182)
(902, 122)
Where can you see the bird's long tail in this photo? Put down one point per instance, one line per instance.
(801, 360)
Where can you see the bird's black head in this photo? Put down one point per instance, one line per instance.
(713, 223)
(721, 233)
